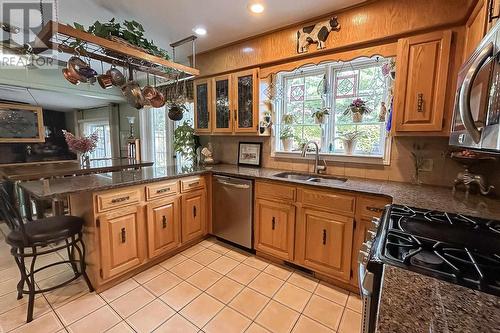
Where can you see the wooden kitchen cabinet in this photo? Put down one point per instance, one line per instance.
(121, 242)
(202, 105)
(275, 228)
(194, 217)
(222, 104)
(246, 101)
(421, 80)
(476, 27)
(163, 223)
(324, 242)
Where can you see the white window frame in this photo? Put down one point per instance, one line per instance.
(328, 69)
(97, 122)
(146, 119)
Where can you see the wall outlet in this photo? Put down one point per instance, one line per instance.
(427, 165)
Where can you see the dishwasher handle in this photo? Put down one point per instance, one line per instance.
(240, 186)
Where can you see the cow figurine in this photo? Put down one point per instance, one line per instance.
(316, 34)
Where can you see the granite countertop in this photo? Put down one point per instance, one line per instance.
(420, 196)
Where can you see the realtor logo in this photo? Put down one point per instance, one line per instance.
(21, 23)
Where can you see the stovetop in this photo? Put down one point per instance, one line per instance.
(456, 248)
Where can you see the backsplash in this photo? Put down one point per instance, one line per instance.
(401, 168)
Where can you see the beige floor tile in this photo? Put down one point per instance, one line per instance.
(177, 324)
(17, 316)
(121, 327)
(307, 325)
(350, 323)
(277, 317)
(249, 302)
(206, 256)
(238, 255)
(79, 308)
(243, 274)
(303, 281)
(162, 283)
(278, 271)
(48, 323)
(201, 309)
(225, 289)
(8, 285)
(223, 265)
(9, 273)
(149, 274)
(150, 317)
(120, 289)
(60, 296)
(354, 303)
(227, 321)
(204, 278)
(219, 247)
(171, 262)
(186, 268)
(98, 321)
(208, 242)
(132, 301)
(256, 263)
(326, 312)
(266, 284)
(255, 328)
(9, 301)
(180, 295)
(193, 250)
(332, 293)
(293, 296)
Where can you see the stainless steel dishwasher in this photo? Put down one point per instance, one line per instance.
(232, 217)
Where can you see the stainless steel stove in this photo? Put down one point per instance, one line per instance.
(455, 248)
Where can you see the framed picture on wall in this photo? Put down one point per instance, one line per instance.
(21, 123)
(250, 154)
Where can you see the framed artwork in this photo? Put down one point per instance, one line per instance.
(250, 153)
(21, 123)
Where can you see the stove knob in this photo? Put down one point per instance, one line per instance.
(363, 257)
(376, 221)
(366, 246)
(370, 235)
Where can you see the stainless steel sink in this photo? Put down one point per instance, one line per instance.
(310, 178)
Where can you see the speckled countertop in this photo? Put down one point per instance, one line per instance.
(421, 196)
(433, 306)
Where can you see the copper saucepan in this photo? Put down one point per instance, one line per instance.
(74, 65)
(132, 92)
(159, 99)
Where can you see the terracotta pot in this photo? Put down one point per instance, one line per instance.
(357, 117)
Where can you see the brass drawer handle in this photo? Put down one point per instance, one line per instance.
(273, 224)
(194, 184)
(194, 211)
(122, 199)
(164, 221)
(324, 236)
(375, 209)
(163, 190)
(124, 235)
(420, 102)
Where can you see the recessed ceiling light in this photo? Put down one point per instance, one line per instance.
(200, 31)
(256, 7)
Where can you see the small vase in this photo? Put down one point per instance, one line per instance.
(320, 120)
(85, 160)
(349, 146)
(287, 144)
(357, 117)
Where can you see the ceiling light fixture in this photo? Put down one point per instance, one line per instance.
(256, 7)
(200, 31)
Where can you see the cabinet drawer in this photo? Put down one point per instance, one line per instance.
(371, 207)
(274, 191)
(116, 199)
(191, 184)
(161, 190)
(327, 200)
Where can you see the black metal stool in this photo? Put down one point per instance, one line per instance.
(42, 236)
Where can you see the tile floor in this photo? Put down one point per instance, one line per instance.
(209, 287)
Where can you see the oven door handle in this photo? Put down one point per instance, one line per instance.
(361, 276)
(465, 92)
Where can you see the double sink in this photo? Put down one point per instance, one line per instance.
(313, 178)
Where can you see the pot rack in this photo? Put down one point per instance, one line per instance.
(59, 37)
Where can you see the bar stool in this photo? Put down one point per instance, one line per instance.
(40, 237)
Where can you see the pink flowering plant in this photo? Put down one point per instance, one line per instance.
(357, 105)
(82, 145)
(388, 67)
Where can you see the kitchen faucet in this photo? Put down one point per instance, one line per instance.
(317, 168)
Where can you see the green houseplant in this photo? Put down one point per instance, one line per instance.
(287, 136)
(357, 109)
(319, 115)
(185, 141)
(349, 140)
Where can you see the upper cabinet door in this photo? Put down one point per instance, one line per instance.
(421, 79)
(476, 26)
(202, 107)
(222, 104)
(246, 100)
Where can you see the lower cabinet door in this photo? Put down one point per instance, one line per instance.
(193, 215)
(120, 242)
(324, 242)
(163, 226)
(274, 228)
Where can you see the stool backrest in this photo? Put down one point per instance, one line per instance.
(8, 212)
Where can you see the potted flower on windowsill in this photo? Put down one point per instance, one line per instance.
(319, 115)
(389, 69)
(357, 109)
(287, 136)
(349, 140)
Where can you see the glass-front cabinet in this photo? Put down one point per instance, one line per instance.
(222, 104)
(227, 103)
(202, 100)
